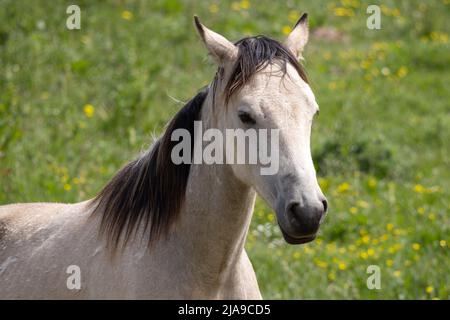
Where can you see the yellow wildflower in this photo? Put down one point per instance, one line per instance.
(438, 36)
(416, 246)
(402, 72)
(365, 64)
(80, 180)
(418, 188)
(429, 289)
(293, 16)
(395, 12)
(342, 266)
(286, 30)
(320, 263)
(89, 110)
(343, 187)
(372, 183)
(443, 243)
(344, 12)
(308, 250)
(365, 239)
(245, 4)
(127, 15)
(214, 8)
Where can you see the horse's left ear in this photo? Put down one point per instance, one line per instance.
(218, 46)
(298, 37)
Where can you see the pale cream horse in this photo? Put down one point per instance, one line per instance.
(192, 219)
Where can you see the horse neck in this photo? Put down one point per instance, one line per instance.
(218, 209)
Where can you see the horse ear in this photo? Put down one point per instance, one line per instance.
(218, 46)
(298, 37)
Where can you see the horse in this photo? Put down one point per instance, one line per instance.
(160, 230)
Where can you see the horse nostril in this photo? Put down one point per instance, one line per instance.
(294, 209)
(304, 220)
(325, 205)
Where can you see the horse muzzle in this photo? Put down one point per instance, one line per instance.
(300, 224)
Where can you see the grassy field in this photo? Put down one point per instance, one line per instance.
(76, 105)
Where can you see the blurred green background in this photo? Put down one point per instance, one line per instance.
(77, 105)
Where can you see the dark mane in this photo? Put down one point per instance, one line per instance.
(151, 189)
(255, 53)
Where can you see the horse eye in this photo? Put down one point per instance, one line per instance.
(246, 118)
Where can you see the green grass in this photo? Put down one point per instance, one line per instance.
(381, 143)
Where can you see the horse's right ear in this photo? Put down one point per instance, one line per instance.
(218, 46)
(298, 37)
